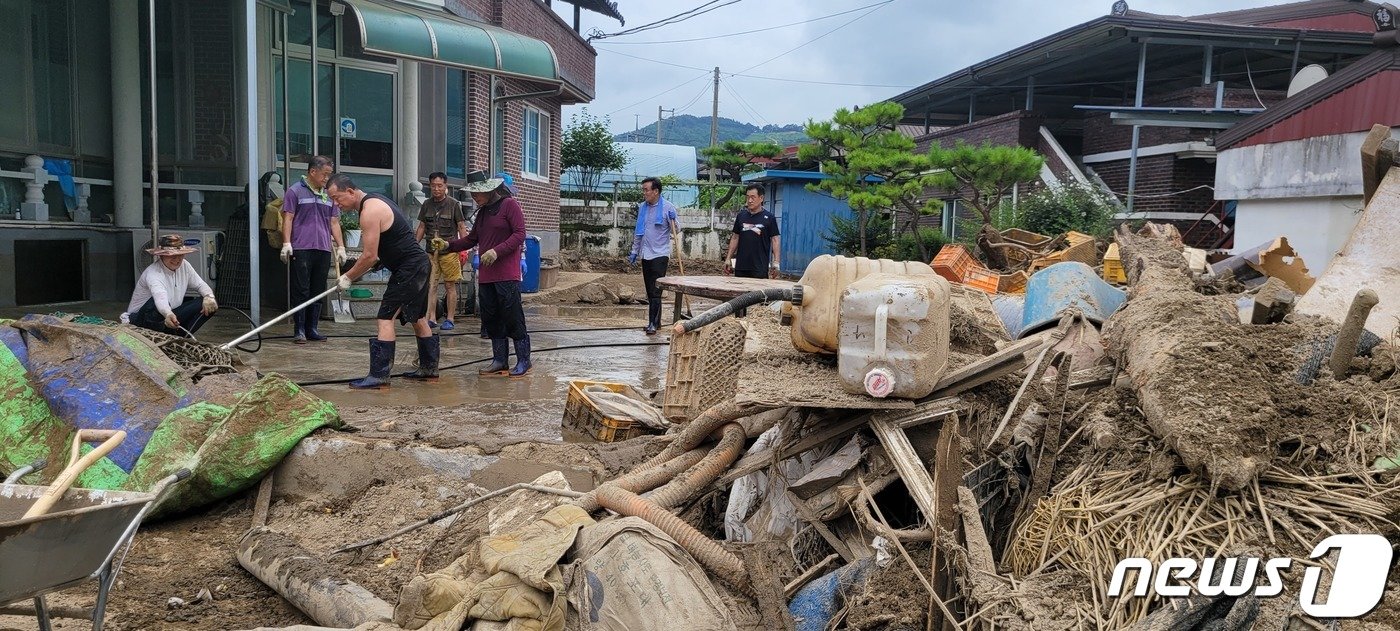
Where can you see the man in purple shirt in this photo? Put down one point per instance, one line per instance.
(498, 234)
(310, 223)
(656, 222)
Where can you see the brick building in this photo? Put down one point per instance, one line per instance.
(401, 88)
(1131, 102)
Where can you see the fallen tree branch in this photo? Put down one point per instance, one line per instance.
(454, 510)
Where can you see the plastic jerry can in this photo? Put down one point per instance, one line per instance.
(894, 332)
(815, 320)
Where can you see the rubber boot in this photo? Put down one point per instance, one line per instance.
(381, 361)
(313, 319)
(653, 318)
(522, 357)
(299, 327)
(429, 350)
(500, 358)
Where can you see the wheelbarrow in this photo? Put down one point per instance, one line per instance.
(52, 540)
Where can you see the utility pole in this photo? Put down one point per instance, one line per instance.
(658, 121)
(636, 127)
(714, 140)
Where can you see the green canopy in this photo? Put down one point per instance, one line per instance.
(443, 38)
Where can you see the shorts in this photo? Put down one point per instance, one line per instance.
(406, 295)
(448, 266)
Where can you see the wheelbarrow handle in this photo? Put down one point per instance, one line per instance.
(90, 436)
(70, 473)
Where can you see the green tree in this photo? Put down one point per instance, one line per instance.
(873, 167)
(588, 148)
(846, 236)
(983, 175)
(1071, 206)
(733, 158)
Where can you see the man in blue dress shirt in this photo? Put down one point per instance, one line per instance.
(656, 222)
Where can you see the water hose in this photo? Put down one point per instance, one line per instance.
(643, 480)
(697, 479)
(719, 312)
(712, 556)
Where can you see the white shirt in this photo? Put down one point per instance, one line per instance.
(162, 284)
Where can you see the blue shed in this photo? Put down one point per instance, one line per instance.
(803, 216)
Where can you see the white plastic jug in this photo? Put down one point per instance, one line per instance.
(894, 335)
(815, 321)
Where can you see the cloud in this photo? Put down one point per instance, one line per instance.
(901, 43)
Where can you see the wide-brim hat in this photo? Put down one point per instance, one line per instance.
(480, 182)
(171, 245)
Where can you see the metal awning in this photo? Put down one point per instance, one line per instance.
(443, 38)
(280, 6)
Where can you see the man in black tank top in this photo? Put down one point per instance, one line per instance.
(387, 240)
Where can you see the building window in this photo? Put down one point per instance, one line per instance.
(456, 136)
(535, 149)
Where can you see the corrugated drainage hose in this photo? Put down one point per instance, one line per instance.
(720, 562)
(643, 480)
(741, 301)
(693, 481)
(702, 427)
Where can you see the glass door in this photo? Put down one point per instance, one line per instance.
(365, 128)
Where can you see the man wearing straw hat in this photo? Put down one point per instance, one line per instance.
(498, 233)
(387, 239)
(159, 303)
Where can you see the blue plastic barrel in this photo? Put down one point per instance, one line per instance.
(1053, 291)
(530, 283)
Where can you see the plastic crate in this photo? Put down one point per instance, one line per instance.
(581, 416)
(982, 279)
(1013, 283)
(1079, 247)
(953, 262)
(1113, 266)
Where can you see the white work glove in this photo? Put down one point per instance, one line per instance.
(340, 257)
(171, 321)
(286, 253)
(343, 282)
(488, 257)
(210, 306)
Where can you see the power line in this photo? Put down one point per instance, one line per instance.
(685, 108)
(758, 30)
(655, 61)
(749, 76)
(745, 104)
(675, 19)
(844, 25)
(663, 92)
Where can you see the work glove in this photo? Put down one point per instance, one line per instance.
(343, 282)
(171, 321)
(488, 257)
(632, 260)
(340, 256)
(437, 244)
(286, 253)
(210, 306)
(773, 272)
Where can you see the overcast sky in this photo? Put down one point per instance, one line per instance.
(878, 51)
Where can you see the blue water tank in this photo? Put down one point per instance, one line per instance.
(530, 282)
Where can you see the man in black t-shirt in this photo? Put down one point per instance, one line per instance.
(753, 247)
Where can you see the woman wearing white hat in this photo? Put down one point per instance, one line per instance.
(159, 303)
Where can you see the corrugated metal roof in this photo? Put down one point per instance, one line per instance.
(1292, 11)
(1345, 22)
(1361, 95)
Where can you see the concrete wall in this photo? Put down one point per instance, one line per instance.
(1316, 227)
(606, 230)
(1324, 166)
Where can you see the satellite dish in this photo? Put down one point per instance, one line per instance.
(1308, 77)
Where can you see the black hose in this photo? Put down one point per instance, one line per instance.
(474, 334)
(742, 301)
(326, 382)
(247, 317)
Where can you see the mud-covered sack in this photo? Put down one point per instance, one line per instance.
(58, 376)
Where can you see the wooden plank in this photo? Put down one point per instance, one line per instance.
(1036, 372)
(263, 505)
(979, 548)
(807, 514)
(719, 287)
(947, 478)
(910, 467)
(994, 366)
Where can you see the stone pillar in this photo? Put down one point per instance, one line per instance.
(126, 113)
(82, 214)
(34, 208)
(408, 149)
(196, 209)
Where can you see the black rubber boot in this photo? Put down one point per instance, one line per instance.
(500, 358)
(381, 361)
(429, 351)
(653, 317)
(313, 319)
(522, 357)
(299, 327)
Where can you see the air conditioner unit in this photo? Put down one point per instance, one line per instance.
(208, 245)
